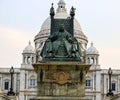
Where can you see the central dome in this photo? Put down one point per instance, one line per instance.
(46, 23)
(61, 13)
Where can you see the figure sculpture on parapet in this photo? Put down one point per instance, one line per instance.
(61, 45)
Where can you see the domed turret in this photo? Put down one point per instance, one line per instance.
(92, 50)
(29, 49)
(28, 54)
(61, 2)
(92, 56)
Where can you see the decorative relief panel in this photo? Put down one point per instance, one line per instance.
(61, 77)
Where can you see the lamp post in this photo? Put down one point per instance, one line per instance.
(110, 93)
(11, 93)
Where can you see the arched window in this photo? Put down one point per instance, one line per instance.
(32, 59)
(28, 60)
(88, 60)
(92, 61)
(32, 82)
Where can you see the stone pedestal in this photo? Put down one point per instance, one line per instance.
(13, 97)
(61, 80)
(6, 97)
(59, 98)
(113, 97)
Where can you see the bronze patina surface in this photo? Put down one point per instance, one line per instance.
(61, 45)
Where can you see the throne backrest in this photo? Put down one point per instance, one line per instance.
(58, 22)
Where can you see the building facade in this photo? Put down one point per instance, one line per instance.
(25, 78)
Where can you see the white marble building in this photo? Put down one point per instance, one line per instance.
(25, 79)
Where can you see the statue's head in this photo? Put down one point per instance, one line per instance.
(61, 28)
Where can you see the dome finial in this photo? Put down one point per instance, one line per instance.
(91, 44)
(61, 2)
(29, 42)
(61, 6)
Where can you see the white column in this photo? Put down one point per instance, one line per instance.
(86, 60)
(0, 83)
(98, 81)
(26, 60)
(93, 81)
(21, 96)
(22, 84)
(26, 97)
(98, 85)
(118, 83)
(95, 60)
(35, 59)
(22, 80)
(30, 59)
(26, 80)
(105, 84)
(98, 96)
(89, 60)
(23, 60)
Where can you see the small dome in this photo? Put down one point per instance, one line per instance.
(29, 49)
(61, 2)
(92, 50)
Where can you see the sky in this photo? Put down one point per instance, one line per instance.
(21, 20)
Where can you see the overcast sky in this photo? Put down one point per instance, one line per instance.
(20, 21)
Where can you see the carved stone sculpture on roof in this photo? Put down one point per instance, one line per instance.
(61, 45)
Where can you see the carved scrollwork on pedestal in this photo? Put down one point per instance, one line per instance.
(61, 77)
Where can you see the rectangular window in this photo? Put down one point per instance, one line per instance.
(113, 86)
(88, 83)
(6, 85)
(32, 82)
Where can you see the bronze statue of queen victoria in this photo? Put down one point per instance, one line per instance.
(61, 45)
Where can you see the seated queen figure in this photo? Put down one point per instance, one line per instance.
(61, 45)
